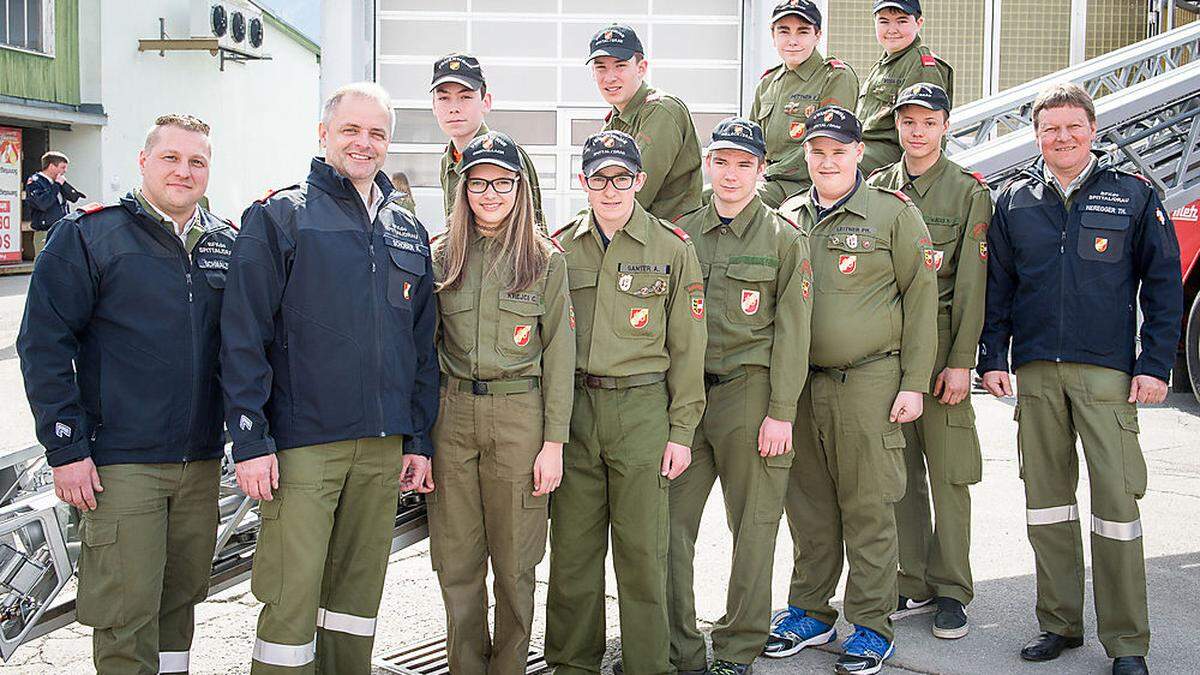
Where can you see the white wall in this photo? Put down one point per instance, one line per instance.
(263, 114)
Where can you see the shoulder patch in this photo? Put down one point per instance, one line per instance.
(836, 63)
(928, 60)
(92, 208)
(979, 178)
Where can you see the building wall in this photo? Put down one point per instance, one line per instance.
(263, 114)
(47, 78)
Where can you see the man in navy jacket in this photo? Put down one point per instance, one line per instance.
(118, 349)
(47, 192)
(330, 374)
(1071, 243)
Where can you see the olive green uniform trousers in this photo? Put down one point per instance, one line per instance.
(322, 555)
(611, 478)
(726, 447)
(145, 562)
(846, 478)
(484, 509)
(1056, 403)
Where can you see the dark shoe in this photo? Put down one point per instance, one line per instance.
(950, 622)
(720, 667)
(907, 607)
(619, 669)
(1047, 646)
(1130, 665)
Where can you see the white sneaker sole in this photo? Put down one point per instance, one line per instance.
(876, 669)
(814, 641)
(951, 633)
(927, 608)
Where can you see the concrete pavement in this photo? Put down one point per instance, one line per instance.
(1001, 616)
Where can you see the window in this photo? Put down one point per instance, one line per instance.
(28, 25)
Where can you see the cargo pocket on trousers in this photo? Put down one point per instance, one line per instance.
(664, 522)
(1131, 453)
(99, 601)
(267, 581)
(533, 525)
(964, 465)
(433, 512)
(768, 499)
(1020, 454)
(891, 469)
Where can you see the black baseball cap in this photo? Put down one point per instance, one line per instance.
(805, 9)
(494, 147)
(460, 69)
(610, 148)
(912, 7)
(925, 95)
(617, 41)
(834, 122)
(739, 133)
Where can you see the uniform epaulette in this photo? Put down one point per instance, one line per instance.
(770, 70)
(677, 231)
(271, 193)
(564, 228)
(88, 209)
(230, 223)
(789, 221)
(836, 63)
(556, 245)
(1144, 179)
(608, 117)
(878, 170)
(928, 58)
(979, 178)
(655, 96)
(900, 195)
(437, 236)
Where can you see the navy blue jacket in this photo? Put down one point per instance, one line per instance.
(41, 199)
(327, 329)
(119, 296)
(1063, 282)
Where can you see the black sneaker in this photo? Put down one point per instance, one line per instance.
(950, 622)
(720, 667)
(907, 607)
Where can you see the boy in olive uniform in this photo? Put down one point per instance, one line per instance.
(460, 101)
(659, 122)
(758, 285)
(873, 348)
(905, 62)
(788, 93)
(639, 393)
(935, 563)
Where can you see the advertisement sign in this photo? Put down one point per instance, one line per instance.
(10, 195)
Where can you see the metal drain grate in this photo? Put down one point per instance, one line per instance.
(429, 658)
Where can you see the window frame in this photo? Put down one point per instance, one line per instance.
(48, 28)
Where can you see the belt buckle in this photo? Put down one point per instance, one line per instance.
(591, 381)
(479, 388)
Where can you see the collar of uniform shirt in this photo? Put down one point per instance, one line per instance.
(806, 69)
(926, 180)
(888, 58)
(635, 228)
(455, 155)
(1068, 190)
(372, 200)
(822, 212)
(635, 104)
(179, 230)
(738, 225)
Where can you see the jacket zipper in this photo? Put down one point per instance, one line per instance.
(376, 315)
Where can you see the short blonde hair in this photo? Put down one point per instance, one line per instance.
(1065, 95)
(179, 121)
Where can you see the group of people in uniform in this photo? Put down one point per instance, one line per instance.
(804, 334)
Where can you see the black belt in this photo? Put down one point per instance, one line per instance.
(713, 379)
(493, 387)
(840, 374)
(626, 382)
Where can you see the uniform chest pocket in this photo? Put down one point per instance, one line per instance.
(639, 305)
(1102, 237)
(751, 293)
(404, 274)
(853, 262)
(945, 239)
(518, 328)
(582, 283)
(764, 113)
(457, 321)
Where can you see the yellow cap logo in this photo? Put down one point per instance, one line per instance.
(454, 65)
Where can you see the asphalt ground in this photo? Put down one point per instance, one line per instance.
(1002, 617)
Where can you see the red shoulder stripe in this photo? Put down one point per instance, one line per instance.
(838, 63)
(680, 233)
(902, 197)
(557, 245)
(928, 60)
(93, 207)
(1143, 178)
(979, 177)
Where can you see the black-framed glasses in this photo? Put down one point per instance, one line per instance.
(621, 181)
(502, 186)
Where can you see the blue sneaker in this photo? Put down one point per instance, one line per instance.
(793, 630)
(864, 653)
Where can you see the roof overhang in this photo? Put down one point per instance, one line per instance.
(49, 114)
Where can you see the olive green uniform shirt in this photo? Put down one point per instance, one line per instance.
(450, 177)
(640, 309)
(662, 127)
(957, 208)
(758, 291)
(786, 97)
(191, 231)
(875, 288)
(487, 333)
(890, 75)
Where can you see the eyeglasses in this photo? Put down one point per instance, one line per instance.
(622, 182)
(502, 186)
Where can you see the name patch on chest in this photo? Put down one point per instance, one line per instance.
(644, 268)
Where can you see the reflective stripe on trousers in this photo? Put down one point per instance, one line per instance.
(345, 623)
(173, 662)
(289, 656)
